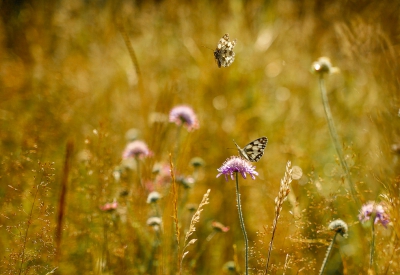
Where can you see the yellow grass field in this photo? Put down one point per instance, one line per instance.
(82, 80)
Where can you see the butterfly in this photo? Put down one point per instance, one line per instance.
(224, 54)
(254, 150)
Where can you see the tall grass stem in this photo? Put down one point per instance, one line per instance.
(335, 138)
(62, 199)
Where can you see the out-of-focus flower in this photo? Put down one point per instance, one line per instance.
(192, 207)
(237, 164)
(197, 162)
(163, 172)
(117, 174)
(340, 227)
(219, 227)
(230, 266)
(396, 147)
(154, 222)
(297, 172)
(132, 134)
(377, 210)
(187, 182)
(110, 206)
(323, 65)
(153, 197)
(136, 149)
(184, 115)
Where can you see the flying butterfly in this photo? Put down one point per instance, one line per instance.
(224, 54)
(254, 150)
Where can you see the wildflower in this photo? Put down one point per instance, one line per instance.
(111, 206)
(192, 207)
(153, 197)
(323, 65)
(237, 164)
(340, 227)
(381, 216)
(154, 222)
(117, 174)
(230, 266)
(371, 208)
(187, 182)
(137, 149)
(163, 174)
(219, 227)
(185, 115)
(197, 162)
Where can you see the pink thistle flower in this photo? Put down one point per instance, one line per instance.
(110, 206)
(183, 114)
(237, 164)
(371, 208)
(136, 149)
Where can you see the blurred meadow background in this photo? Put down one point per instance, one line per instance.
(79, 80)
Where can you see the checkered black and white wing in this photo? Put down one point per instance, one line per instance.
(224, 54)
(254, 150)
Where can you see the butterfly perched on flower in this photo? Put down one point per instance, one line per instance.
(254, 150)
(224, 54)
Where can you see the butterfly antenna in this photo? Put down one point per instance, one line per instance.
(207, 47)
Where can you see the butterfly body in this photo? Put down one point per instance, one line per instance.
(224, 54)
(254, 150)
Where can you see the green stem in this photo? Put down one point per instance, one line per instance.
(335, 138)
(246, 240)
(155, 245)
(371, 254)
(328, 252)
(139, 173)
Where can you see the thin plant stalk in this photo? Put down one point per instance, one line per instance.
(335, 138)
(27, 229)
(175, 211)
(155, 245)
(29, 223)
(139, 172)
(62, 198)
(202, 249)
(177, 142)
(284, 191)
(105, 253)
(272, 240)
(372, 250)
(328, 252)
(192, 228)
(246, 240)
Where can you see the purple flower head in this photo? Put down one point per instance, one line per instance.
(237, 164)
(137, 149)
(381, 216)
(372, 208)
(183, 114)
